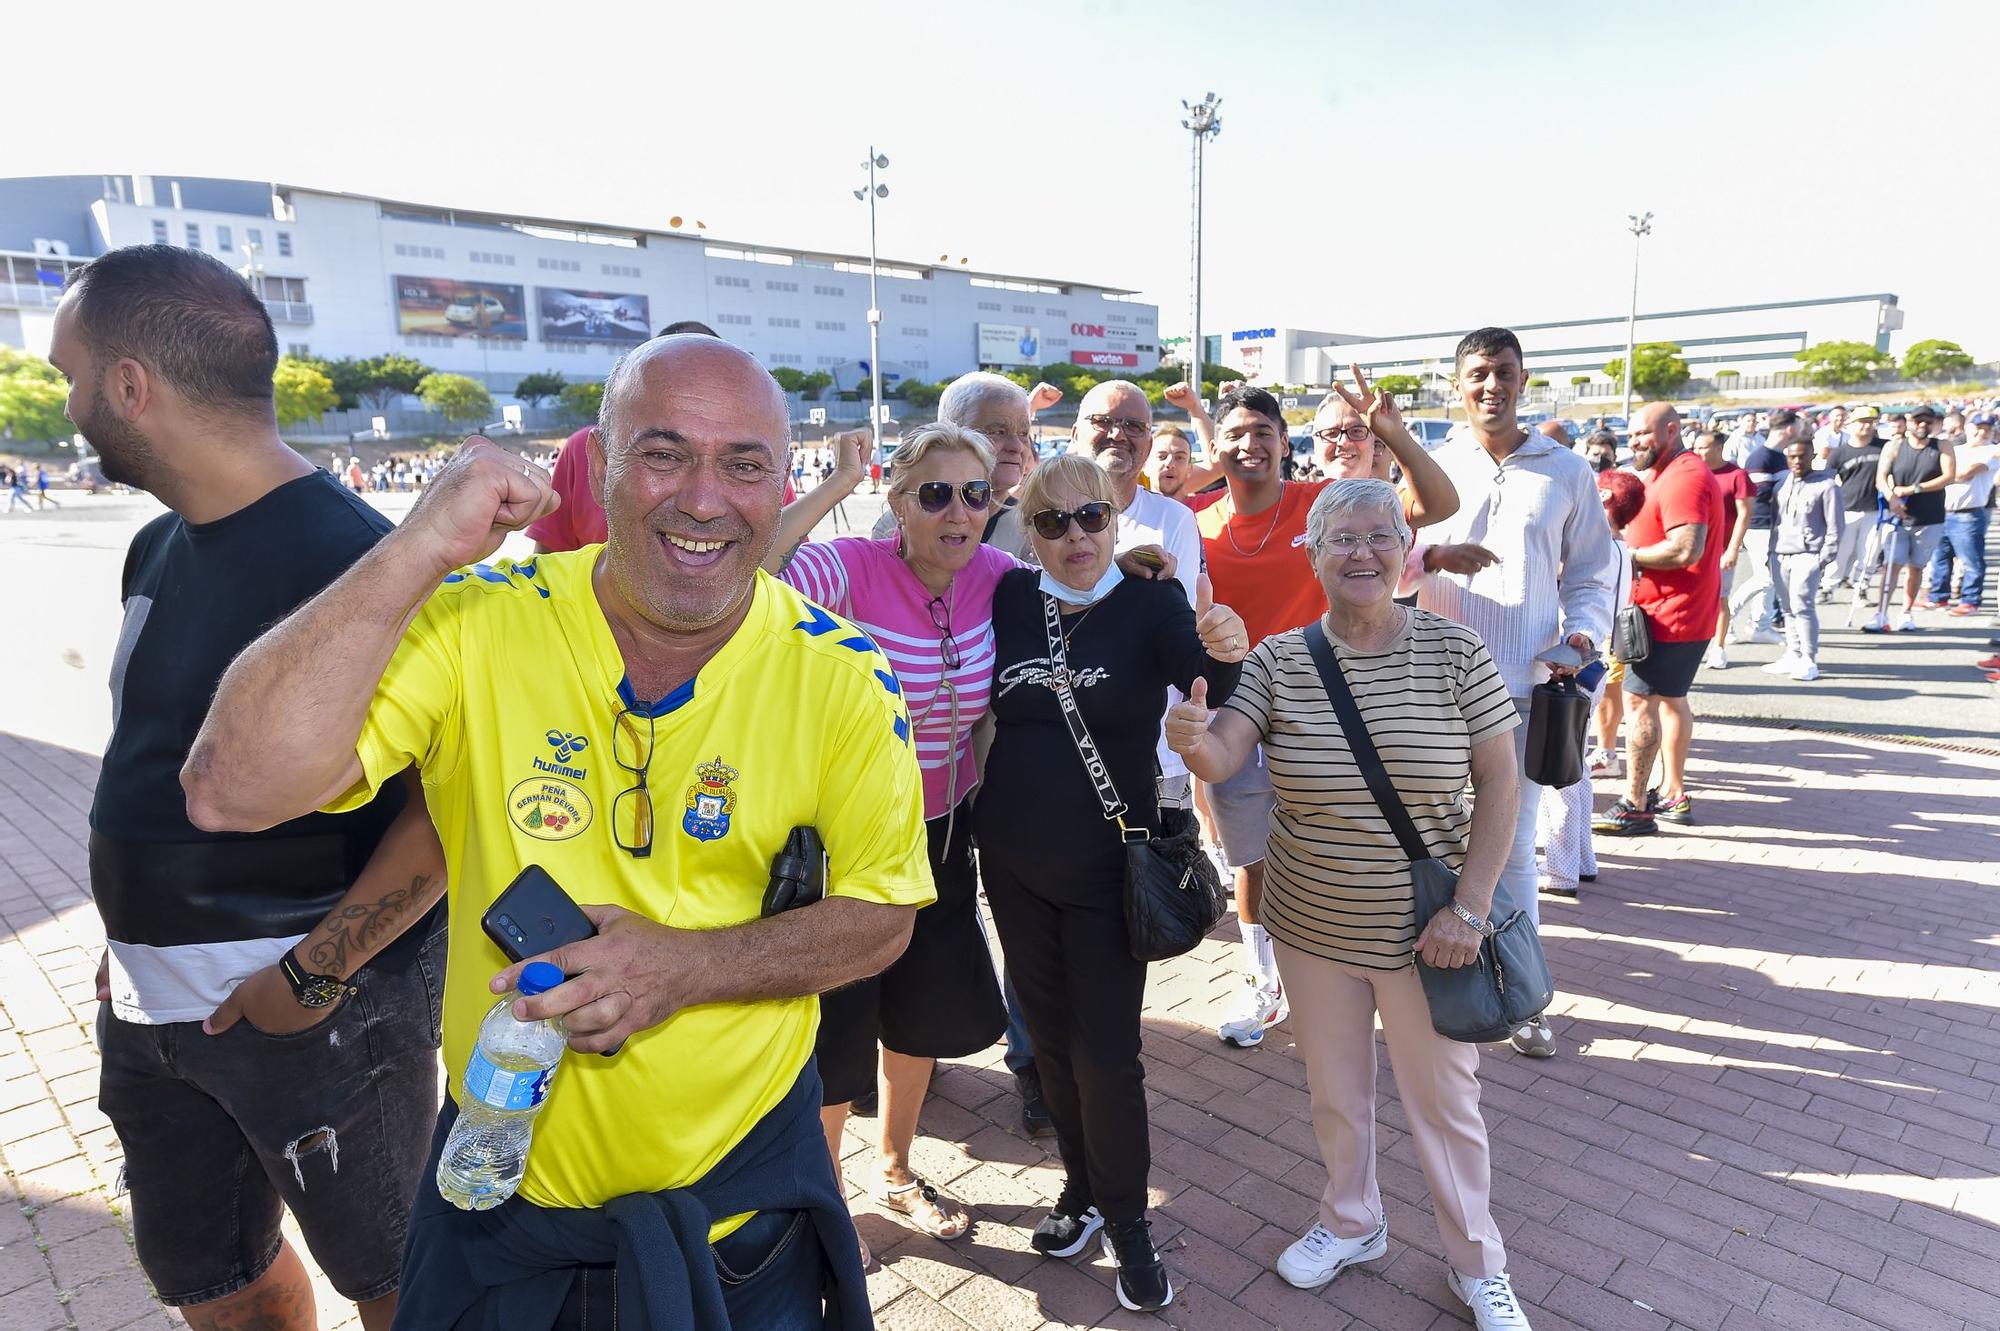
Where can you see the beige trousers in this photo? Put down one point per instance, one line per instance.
(1333, 1022)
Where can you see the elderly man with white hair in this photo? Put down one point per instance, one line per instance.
(1338, 894)
(1000, 409)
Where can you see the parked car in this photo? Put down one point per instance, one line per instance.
(478, 311)
(1429, 431)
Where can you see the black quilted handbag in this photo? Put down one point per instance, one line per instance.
(1173, 894)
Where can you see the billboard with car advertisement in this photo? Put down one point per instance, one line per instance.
(564, 315)
(1009, 344)
(444, 307)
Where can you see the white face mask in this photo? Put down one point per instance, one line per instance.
(1071, 596)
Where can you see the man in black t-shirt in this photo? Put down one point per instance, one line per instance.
(1855, 461)
(267, 1011)
(1756, 568)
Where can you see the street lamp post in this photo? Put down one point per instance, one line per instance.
(1641, 226)
(876, 162)
(1203, 122)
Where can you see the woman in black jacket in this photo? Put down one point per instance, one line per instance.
(1054, 865)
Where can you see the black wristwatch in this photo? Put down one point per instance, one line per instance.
(312, 991)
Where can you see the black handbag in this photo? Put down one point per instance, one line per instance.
(1509, 981)
(1558, 725)
(1631, 636)
(1173, 894)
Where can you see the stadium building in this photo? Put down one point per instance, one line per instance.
(1755, 341)
(496, 296)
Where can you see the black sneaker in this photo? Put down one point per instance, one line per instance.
(864, 1106)
(1068, 1229)
(1035, 1120)
(1679, 810)
(1624, 818)
(1142, 1277)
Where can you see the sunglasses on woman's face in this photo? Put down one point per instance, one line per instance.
(1052, 524)
(935, 496)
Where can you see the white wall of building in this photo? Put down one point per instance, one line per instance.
(791, 308)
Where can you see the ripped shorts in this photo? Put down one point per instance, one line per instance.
(223, 1133)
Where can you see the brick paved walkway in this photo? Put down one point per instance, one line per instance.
(1777, 1105)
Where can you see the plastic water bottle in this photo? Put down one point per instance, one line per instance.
(506, 1080)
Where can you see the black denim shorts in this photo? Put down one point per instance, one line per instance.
(222, 1133)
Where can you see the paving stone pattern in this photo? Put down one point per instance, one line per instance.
(1777, 1103)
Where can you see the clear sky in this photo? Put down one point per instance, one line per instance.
(1383, 167)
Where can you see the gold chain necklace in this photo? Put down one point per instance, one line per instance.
(1228, 528)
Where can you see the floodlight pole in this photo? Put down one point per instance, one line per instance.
(1641, 226)
(1204, 124)
(875, 162)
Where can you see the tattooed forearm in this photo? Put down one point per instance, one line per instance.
(348, 937)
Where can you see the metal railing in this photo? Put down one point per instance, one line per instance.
(290, 311)
(30, 295)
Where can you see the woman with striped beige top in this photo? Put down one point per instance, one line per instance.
(1338, 898)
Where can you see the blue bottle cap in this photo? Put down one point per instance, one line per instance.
(539, 977)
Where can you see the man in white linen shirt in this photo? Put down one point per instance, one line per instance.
(1526, 562)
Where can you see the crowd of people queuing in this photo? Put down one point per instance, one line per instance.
(329, 729)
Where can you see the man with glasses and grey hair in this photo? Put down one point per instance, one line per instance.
(1003, 412)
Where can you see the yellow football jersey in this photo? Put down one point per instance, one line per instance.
(505, 691)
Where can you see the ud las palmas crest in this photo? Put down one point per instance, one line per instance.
(710, 801)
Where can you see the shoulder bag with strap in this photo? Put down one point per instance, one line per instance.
(1509, 980)
(1173, 895)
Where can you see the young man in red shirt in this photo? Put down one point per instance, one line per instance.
(1677, 544)
(1737, 494)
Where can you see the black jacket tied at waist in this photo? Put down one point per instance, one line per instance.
(511, 1268)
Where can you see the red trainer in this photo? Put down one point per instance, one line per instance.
(1962, 609)
(1989, 662)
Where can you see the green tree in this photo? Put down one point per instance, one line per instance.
(1579, 380)
(1934, 358)
(1832, 364)
(1538, 382)
(386, 378)
(303, 392)
(1657, 369)
(13, 361)
(349, 378)
(1400, 385)
(541, 384)
(581, 402)
(31, 405)
(1729, 374)
(815, 385)
(920, 394)
(459, 398)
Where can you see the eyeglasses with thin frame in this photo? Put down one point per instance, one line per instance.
(1349, 543)
(947, 640)
(1118, 424)
(935, 496)
(1053, 524)
(1332, 434)
(633, 748)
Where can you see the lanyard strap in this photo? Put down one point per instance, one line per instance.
(1086, 748)
(1363, 747)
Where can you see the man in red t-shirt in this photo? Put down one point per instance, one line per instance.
(1737, 492)
(1677, 544)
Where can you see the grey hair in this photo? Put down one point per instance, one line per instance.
(1341, 498)
(963, 396)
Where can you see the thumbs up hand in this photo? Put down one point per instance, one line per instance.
(1187, 722)
(1222, 633)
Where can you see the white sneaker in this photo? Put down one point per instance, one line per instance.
(1262, 1009)
(1717, 657)
(1784, 665)
(1806, 672)
(1875, 623)
(1907, 624)
(1321, 1255)
(1604, 763)
(1765, 634)
(1492, 1301)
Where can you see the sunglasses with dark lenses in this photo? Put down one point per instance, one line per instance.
(1052, 524)
(935, 496)
(632, 745)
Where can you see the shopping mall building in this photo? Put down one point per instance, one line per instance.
(496, 296)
